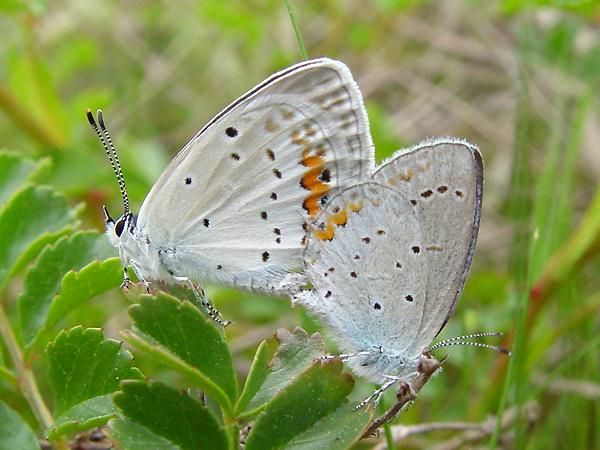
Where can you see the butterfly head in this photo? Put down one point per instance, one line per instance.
(121, 229)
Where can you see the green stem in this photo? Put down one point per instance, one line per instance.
(8, 375)
(25, 379)
(387, 429)
(233, 430)
(299, 39)
(27, 122)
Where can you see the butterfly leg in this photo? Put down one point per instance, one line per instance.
(203, 300)
(138, 273)
(126, 280)
(376, 396)
(343, 357)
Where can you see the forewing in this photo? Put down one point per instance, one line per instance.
(234, 201)
(366, 261)
(443, 179)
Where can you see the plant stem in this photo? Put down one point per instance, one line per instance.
(45, 136)
(387, 430)
(25, 379)
(8, 376)
(299, 39)
(406, 393)
(233, 431)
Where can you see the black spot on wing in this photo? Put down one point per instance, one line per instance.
(325, 176)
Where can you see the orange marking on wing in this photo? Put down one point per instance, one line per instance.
(311, 204)
(339, 219)
(327, 234)
(310, 160)
(311, 180)
(336, 220)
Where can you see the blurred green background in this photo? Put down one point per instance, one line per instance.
(519, 78)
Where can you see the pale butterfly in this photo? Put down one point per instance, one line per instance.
(232, 206)
(388, 258)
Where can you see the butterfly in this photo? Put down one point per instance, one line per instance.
(232, 207)
(388, 258)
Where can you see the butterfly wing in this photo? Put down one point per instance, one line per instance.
(367, 264)
(443, 178)
(232, 205)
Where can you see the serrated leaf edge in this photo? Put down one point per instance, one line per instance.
(138, 341)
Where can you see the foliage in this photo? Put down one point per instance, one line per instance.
(517, 77)
(92, 379)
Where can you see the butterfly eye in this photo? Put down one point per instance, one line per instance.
(119, 227)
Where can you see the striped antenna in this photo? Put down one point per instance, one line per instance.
(111, 152)
(463, 340)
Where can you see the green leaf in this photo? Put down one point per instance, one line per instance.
(83, 366)
(33, 218)
(14, 432)
(338, 430)
(296, 353)
(256, 377)
(14, 172)
(88, 414)
(167, 413)
(40, 306)
(303, 410)
(132, 436)
(159, 353)
(182, 331)
(78, 287)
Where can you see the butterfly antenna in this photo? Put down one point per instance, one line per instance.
(468, 336)
(495, 348)
(111, 152)
(464, 340)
